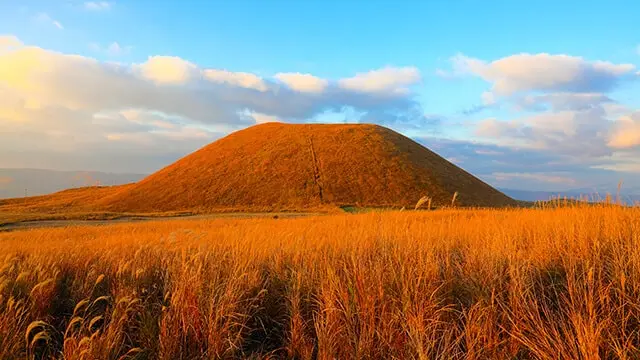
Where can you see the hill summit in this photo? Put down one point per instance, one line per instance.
(277, 166)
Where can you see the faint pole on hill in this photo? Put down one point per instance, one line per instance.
(25, 192)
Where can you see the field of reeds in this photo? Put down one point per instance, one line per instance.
(556, 283)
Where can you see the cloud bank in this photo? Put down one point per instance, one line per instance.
(97, 5)
(52, 102)
(546, 72)
(73, 112)
(554, 108)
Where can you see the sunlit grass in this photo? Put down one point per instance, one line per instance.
(555, 283)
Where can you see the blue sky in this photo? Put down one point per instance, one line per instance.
(539, 95)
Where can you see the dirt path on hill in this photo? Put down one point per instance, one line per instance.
(38, 224)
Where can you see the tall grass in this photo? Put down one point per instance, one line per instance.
(556, 283)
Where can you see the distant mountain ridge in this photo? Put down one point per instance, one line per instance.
(533, 195)
(32, 182)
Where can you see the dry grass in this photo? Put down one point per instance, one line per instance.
(423, 200)
(77, 200)
(87, 204)
(12, 218)
(557, 283)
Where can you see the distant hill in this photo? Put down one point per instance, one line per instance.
(527, 195)
(18, 182)
(296, 166)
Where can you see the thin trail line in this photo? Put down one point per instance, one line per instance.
(316, 170)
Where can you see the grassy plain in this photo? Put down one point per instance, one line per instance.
(556, 283)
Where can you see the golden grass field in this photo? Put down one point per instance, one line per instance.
(559, 283)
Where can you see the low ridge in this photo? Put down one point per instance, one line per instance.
(278, 166)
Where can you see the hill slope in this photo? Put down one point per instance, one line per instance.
(18, 182)
(83, 199)
(278, 166)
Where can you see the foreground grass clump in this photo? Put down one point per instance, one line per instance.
(501, 284)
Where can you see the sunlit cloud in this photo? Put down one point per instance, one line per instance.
(44, 18)
(97, 5)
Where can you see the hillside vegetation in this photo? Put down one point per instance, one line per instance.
(278, 166)
(80, 203)
(557, 283)
(35, 182)
(285, 167)
(79, 199)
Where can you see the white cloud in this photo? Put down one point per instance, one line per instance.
(9, 42)
(390, 80)
(616, 110)
(240, 79)
(622, 167)
(445, 74)
(574, 115)
(61, 110)
(571, 133)
(562, 101)
(540, 177)
(264, 118)
(545, 72)
(167, 70)
(144, 117)
(114, 49)
(46, 19)
(488, 98)
(97, 5)
(495, 128)
(487, 152)
(303, 82)
(627, 132)
(38, 77)
(623, 161)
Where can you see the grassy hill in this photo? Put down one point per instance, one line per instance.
(279, 166)
(285, 167)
